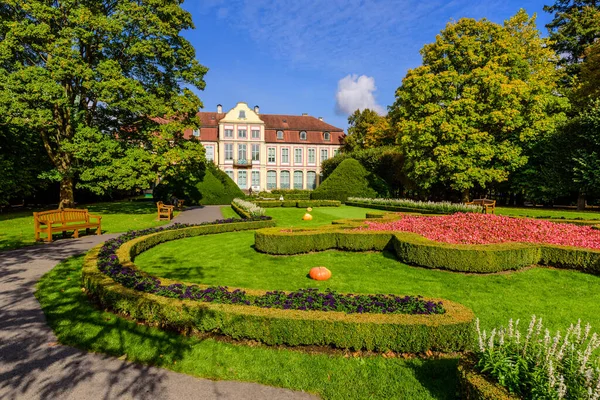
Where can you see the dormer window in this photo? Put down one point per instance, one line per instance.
(302, 135)
(196, 132)
(279, 135)
(326, 136)
(242, 114)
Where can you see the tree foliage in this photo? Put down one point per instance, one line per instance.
(359, 123)
(90, 76)
(575, 26)
(485, 93)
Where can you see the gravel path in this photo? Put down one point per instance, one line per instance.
(34, 366)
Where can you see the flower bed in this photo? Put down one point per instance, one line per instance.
(405, 324)
(440, 207)
(463, 228)
(246, 209)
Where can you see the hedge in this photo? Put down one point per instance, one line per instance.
(350, 179)
(240, 211)
(217, 187)
(299, 203)
(474, 386)
(448, 332)
(291, 196)
(393, 208)
(414, 249)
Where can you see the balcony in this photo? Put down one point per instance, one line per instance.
(240, 162)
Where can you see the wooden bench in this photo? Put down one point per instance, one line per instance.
(485, 204)
(164, 211)
(68, 219)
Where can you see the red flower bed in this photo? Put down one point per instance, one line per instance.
(469, 228)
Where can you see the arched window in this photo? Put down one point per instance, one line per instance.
(271, 180)
(326, 136)
(279, 135)
(298, 180)
(311, 180)
(284, 182)
(302, 135)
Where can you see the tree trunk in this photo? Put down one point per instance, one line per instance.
(67, 199)
(581, 201)
(465, 196)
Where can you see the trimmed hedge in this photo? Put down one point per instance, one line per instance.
(475, 386)
(350, 179)
(392, 208)
(217, 187)
(414, 249)
(298, 204)
(448, 332)
(240, 211)
(292, 196)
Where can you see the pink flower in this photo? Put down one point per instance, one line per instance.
(470, 228)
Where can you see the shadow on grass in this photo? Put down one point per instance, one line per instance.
(78, 323)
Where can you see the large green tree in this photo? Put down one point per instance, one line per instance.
(359, 123)
(91, 77)
(485, 93)
(575, 26)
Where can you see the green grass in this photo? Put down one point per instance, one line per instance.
(77, 323)
(547, 212)
(559, 296)
(16, 229)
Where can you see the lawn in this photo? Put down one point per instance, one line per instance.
(559, 296)
(537, 212)
(16, 228)
(341, 376)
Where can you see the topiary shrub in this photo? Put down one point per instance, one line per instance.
(217, 188)
(350, 179)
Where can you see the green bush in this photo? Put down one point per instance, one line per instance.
(299, 203)
(287, 192)
(407, 205)
(223, 194)
(448, 332)
(291, 196)
(350, 179)
(475, 386)
(414, 249)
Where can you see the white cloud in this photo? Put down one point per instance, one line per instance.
(356, 93)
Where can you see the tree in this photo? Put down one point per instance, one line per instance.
(93, 75)
(485, 94)
(576, 26)
(359, 123)
(380, 134)
(588, 88)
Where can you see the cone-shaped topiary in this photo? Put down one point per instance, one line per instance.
(350, 179)
(217, 187)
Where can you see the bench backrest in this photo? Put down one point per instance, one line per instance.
(484, 202)
(66, 215)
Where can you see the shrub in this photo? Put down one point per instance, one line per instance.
(287, 192)
(476, 386)
(538, 365)
(299, 203)
(442, 207)
(350, 179)
(286, 196)
(247, 209)
(217, 188)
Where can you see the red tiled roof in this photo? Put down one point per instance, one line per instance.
(312, 137)
(296, 122)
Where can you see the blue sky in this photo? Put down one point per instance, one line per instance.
(323, 58)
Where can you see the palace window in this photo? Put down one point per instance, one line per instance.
(210, 153)
(303, 135)
(255, 152)
(255, 178)
(229, 173)
(229, 151)
(285, 180)
(241, 133)
(298, 180)
(312, 158)
(271, 180)
(271, 158)
(228, 133)
(285, 156)
(242, 156)
(255, 134)
(242, 179)
(242, 114)
(196, 132)
(279, 135)
(297, 156)
(323, 155)
(311, 180)
(326, 136)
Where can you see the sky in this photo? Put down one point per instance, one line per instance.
(326, 58)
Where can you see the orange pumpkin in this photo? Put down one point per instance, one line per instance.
(319, 273)
(307, 217)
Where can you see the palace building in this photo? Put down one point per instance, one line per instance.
(267, 151)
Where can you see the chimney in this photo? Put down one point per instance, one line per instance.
(305, 114)
(320, 118)
(219, 109)
(257, 109)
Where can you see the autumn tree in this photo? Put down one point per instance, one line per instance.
(468, 116)
(91, 77)
(359, 123)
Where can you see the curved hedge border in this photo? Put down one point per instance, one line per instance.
(474, 386)
(415, 249)
(448, 332)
